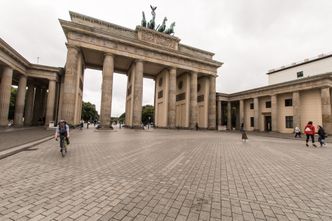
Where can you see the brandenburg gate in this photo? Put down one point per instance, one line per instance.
(185, 77)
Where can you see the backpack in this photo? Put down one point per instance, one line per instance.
(63, 130)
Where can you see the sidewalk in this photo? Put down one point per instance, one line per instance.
(12, 137)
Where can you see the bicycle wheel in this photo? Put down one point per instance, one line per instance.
(63, 146)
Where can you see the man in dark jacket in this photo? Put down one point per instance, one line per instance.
(309, 131)
(321, 135)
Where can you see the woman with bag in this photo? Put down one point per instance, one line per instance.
(309, 131)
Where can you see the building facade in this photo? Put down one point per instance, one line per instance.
(38, 89)
(295, 95)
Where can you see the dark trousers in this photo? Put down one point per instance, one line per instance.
(312, 138)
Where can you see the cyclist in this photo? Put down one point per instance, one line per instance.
(62, 130)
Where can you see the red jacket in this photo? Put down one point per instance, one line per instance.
(309, 129)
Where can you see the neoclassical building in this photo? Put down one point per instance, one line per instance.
(38, 89)
(296, 94)
(185, 83)
(185, 92)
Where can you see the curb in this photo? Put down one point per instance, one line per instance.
(17, 149)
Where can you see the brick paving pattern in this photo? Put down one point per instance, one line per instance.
(15, 137)
(168, 175)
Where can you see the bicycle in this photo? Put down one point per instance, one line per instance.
(63, 145)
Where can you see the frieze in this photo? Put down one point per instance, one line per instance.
(157, 38)
(132, 51)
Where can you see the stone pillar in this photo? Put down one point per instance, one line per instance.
(296, 110)
(171, 98)
(241, 112)
(256, 114)
(5, 91)
(20, 100)
(219, 112)
(326, 109)
(28, 113)
(212, 104)
(106, 91)
(37, 106)
(193, 100)
(69, 90)
(229, 115)
(138, 95)
(274, 113)
(50, 102)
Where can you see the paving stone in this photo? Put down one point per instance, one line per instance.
(135, 175)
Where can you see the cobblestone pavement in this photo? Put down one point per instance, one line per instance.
(168, 175)
(17, 136)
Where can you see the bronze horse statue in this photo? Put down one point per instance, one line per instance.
(162, 27)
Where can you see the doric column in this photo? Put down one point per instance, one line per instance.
(171, 98)
(274, 113)
(193, 100)
(69, 90)
(229, 115)
(241, 112)
(138, 95)
(37, 106)
(326, 109)
(20, 99)
(296, 110)
(219, 112)
(50, 102)
(28, 113)
(256, 114)
(106, 91)
(212, 103)
(5, 91)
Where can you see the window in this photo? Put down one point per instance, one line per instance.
(289, 121)
(288, 102)
(251, 105)
(252, 121)
(268, 104)
(299, 74)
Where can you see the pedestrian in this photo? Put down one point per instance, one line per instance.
(321, 135)
(297, 131)
(309, 131)
(87, 125)
(196, 126)
(244, 135)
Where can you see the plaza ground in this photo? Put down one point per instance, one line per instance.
(168, 175)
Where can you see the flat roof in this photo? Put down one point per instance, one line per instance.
(305, 61)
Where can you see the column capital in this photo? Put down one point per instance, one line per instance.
(68, 45)
(108, 54)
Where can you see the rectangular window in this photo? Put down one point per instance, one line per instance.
(268, 104)
(288, 102)
(252, 121)
(251, 105)
(299, 74)
(289, 121)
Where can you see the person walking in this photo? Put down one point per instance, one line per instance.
(243, 133)
(297, 131)
(309, 131)
(321, 135)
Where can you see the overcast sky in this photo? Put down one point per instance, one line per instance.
(250, 37)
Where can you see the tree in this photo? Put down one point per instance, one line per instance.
(147, 112)
(12, 103)
(89, 112)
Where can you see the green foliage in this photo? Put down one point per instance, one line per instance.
(147, 111)
(89, 112)
(122, 118)
(12, 103)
